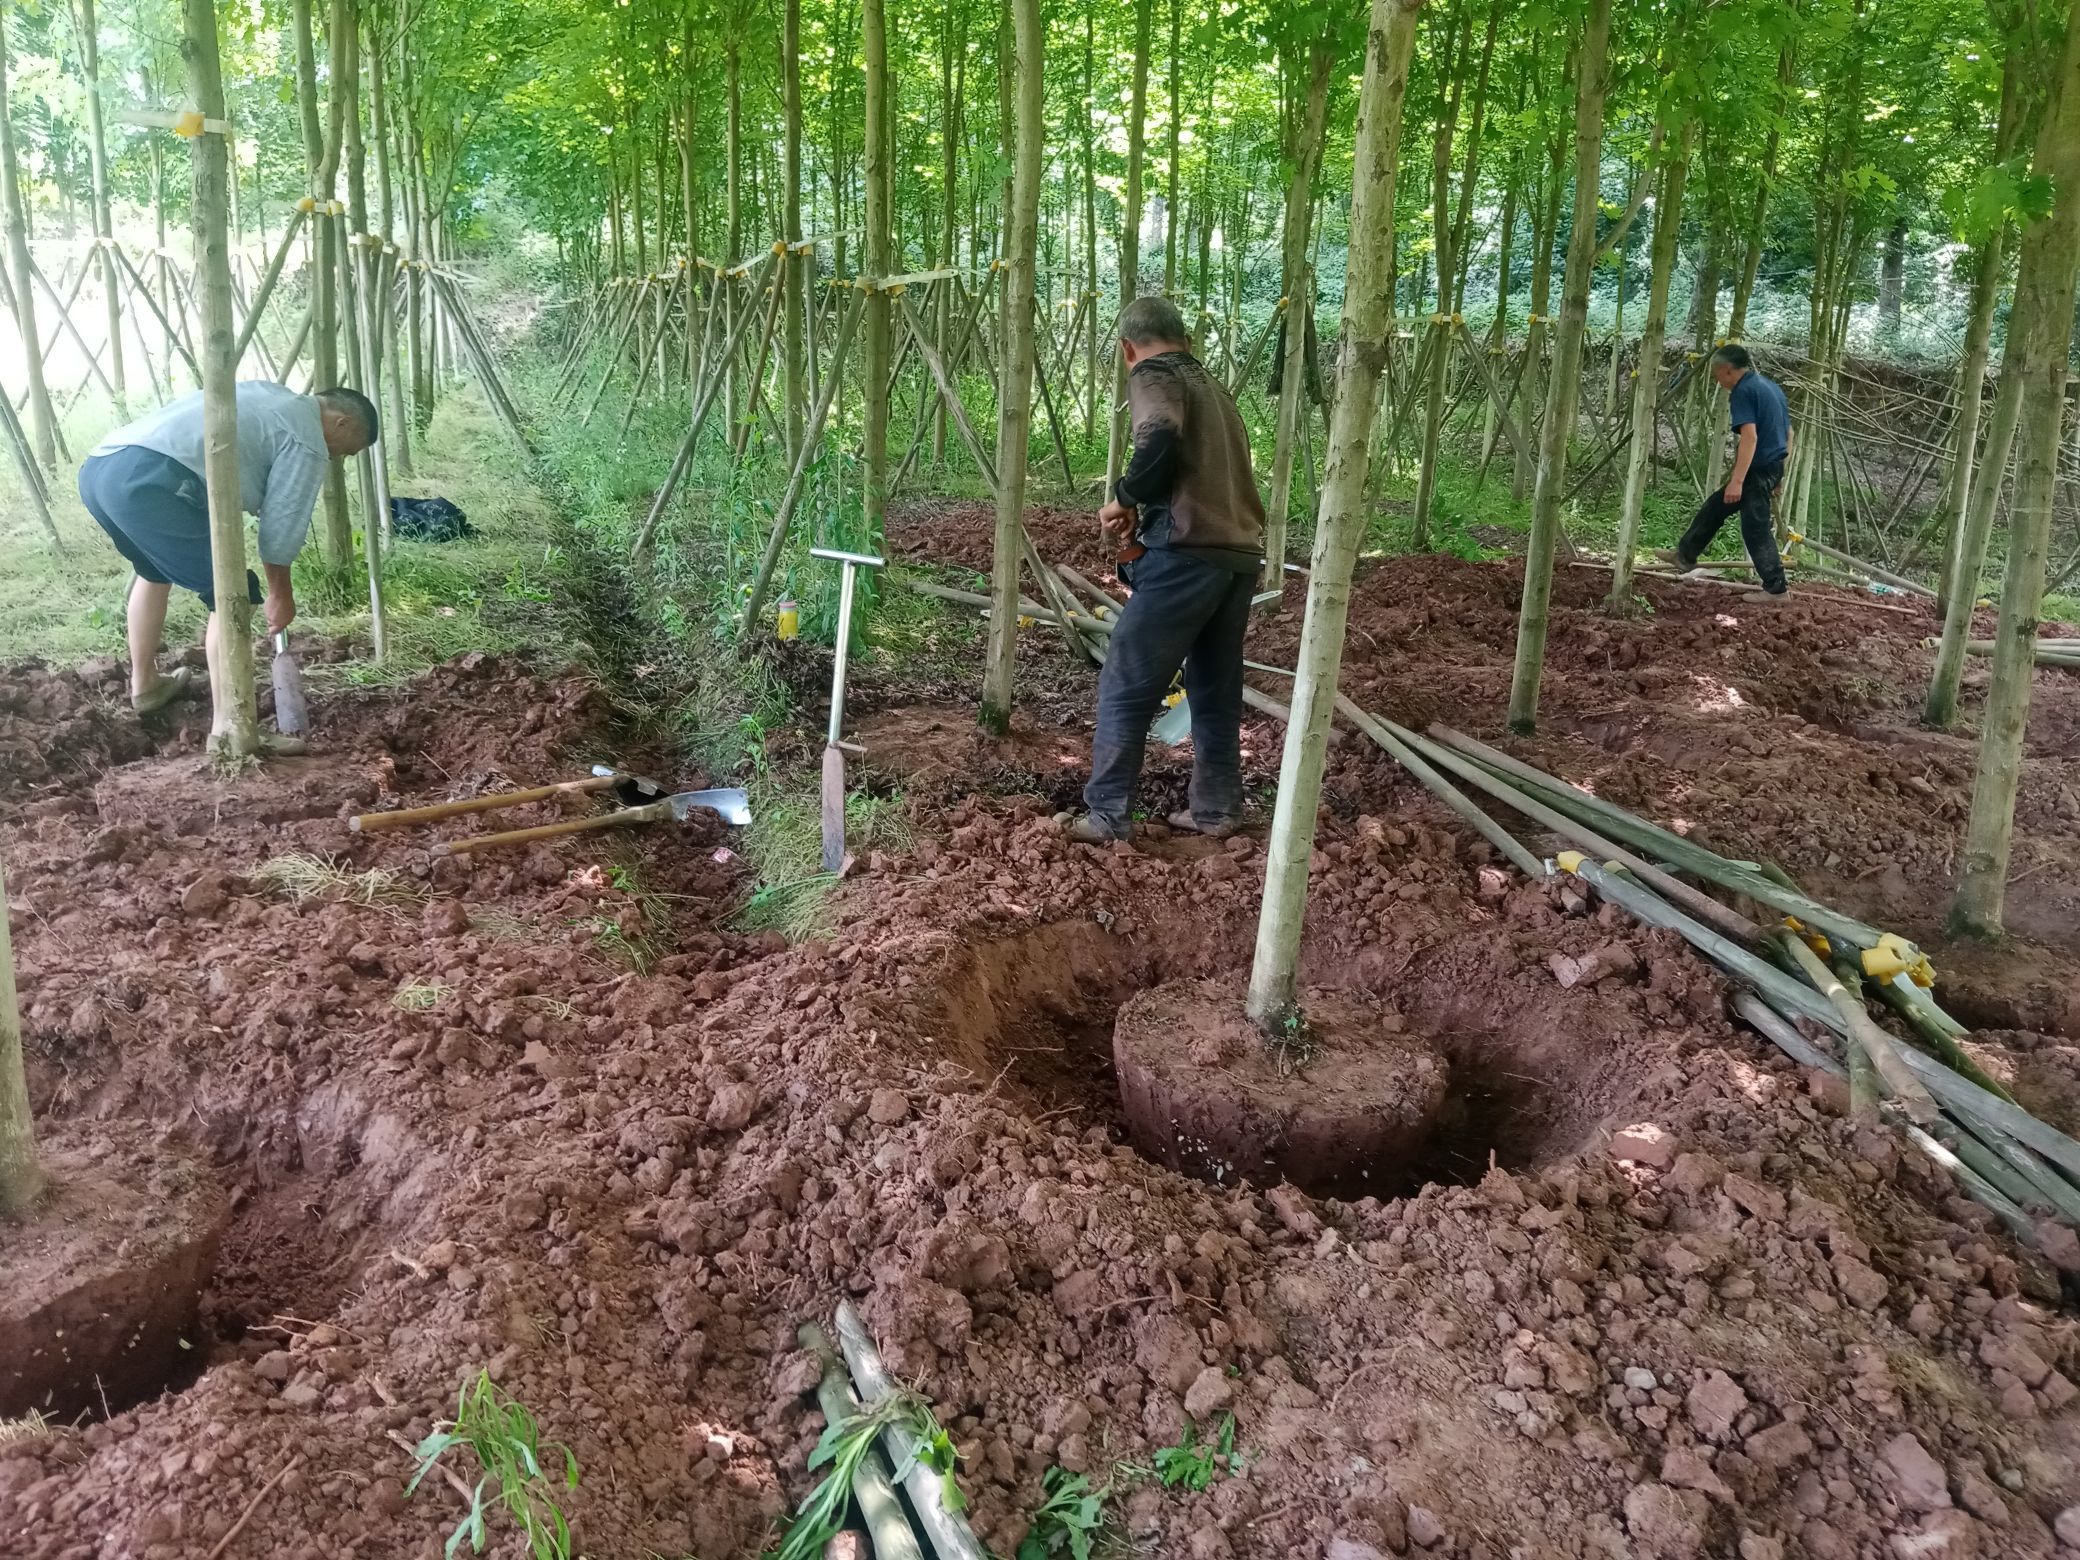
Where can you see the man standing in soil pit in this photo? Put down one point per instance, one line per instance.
(1192, 529)
(1761, 421)
(144, 485)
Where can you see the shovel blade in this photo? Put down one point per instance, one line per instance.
(1174, 725)
(292, 715)
(733, 804)
(833, 809)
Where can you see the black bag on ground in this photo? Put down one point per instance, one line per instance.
(428, 520)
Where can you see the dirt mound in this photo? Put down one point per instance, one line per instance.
(546, 1116)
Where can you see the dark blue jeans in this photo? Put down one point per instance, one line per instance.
(1757, 532)
(1184, 612)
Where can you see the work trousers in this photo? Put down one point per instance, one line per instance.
(1756, 531)
(1184, 612)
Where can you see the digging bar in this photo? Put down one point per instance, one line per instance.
(833, 751)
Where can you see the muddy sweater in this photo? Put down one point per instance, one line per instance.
(1190, 477)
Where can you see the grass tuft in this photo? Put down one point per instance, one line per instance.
(785, 845)
(299, 876)
(418, 996)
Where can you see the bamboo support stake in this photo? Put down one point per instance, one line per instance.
(1443, 789)
(21, 1181)
(947, 1531)
(1862, 1030)
(872, 1489)
(812, 436)
(265, 291)
(31, 474)
(43, 433)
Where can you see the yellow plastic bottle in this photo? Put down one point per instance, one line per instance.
(789, 621)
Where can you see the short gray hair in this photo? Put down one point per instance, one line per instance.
(1151, 319)
(352, 403)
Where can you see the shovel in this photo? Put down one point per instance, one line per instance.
(834, 749)
(733, 805)
(292, 715)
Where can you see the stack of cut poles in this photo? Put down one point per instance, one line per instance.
(1803, 980)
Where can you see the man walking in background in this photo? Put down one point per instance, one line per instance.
(1762, 427)
(144, 486)
(1192, 526)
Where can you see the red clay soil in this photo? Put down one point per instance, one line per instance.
(461, 1133)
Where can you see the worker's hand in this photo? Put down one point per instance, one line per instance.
(1117, 519)
(280, 608)
(1733, 491)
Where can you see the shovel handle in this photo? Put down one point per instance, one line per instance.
(620, 818)
(405, 818)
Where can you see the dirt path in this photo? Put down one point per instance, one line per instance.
(460, 1131)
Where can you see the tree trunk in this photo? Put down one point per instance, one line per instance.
(1306, 160)
(796, 265)
(1439, 343)
(1646, 382)
(1340, 528)
(880, 258)
(1090, 223)
(1892, 279)
(1015, 398)
(1592, 82)
(1531, 383)
(233, 732)
(1170, 163)
(90, 59)
(1130, 235)
(21, 1181)
(2040, 334)
(335, 532)
(42, 423)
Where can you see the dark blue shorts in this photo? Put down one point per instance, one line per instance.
(156, 511)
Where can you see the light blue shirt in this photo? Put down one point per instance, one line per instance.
(282, 457)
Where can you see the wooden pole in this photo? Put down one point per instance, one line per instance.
(21, 1181)
(42, 424)
(1360, 358)
(104, 231)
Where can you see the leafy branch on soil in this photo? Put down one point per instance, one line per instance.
(300, 876)
(844, 1444)
(502, 1434)
(1070, 1517)
(1191, 1466)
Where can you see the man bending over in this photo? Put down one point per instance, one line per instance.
(1762, 426)
(144, 484)
(1190, 500)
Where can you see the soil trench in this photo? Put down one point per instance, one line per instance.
(550, 1116)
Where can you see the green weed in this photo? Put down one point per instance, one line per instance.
(1190, 1465)
(1070, 1517)
(843, 1445)
(505, 1440)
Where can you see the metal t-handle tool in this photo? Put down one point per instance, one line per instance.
(833, 753)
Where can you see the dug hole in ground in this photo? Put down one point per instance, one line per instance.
(1640, 1289)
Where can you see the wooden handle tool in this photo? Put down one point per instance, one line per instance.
(405, 818)
(620, 818)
